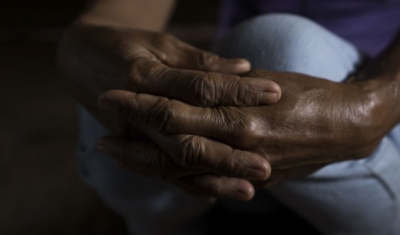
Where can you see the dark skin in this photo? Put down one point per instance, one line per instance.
(104, 50)
(99, 58)
(315, 123)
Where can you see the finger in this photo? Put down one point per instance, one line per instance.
(195, 59)
(279, 176)
(175, 53)
(190, 151)
(187, 150)
(219, 186)
(192, 192)
(228, 124)
(142, 157)
(139, 158)
(201, 88)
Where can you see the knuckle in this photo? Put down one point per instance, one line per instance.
(212, 90)
(136, 73)
(142, 74)
(232, 166)
(246, 95)
(206, 90)
(135, 76)
(163, 116)
(190, 152)
(157, 165)
(236, 167)
(128, 109)
(247, 131)
(163, 40)
(204, 59)
(249, 128)
(240, 93)
(169, 122)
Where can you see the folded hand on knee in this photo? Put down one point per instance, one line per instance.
(316, 122)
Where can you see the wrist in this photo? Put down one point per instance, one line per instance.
(380, 80)
(371, 116)
(97, 19)
(139, 14)
(380, 106)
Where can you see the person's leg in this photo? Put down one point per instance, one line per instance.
(149, 206)
(352, 197)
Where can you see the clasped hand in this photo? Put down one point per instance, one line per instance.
(215, 151)
(215, 128)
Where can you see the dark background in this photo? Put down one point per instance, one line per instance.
(40, 192)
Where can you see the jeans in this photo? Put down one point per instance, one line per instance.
(352, 197)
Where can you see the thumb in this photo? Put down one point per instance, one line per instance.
(210, 62)
(184, 56)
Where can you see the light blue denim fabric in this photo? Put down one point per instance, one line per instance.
(352, 197)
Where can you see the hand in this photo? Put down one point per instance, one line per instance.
(103, 58)
(315, 123)
(191, 164)
(95, 59)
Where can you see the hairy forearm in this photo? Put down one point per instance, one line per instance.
(140, 14)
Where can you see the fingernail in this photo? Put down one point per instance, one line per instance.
(255, 174)
(241, 196)
(267, 86)
(268, 98)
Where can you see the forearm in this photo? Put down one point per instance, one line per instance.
(381, 79)
(387, 65)
(140, 14)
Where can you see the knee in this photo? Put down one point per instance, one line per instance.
(285, 42)
(277, 41)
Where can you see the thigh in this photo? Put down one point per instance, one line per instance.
(351, 197)
(285, 42)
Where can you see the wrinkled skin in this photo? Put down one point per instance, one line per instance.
(315, 123)
(95, 59)
(160, 64)
(218, 149)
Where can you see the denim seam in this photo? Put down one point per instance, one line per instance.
(369, 166)
(389, 191)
